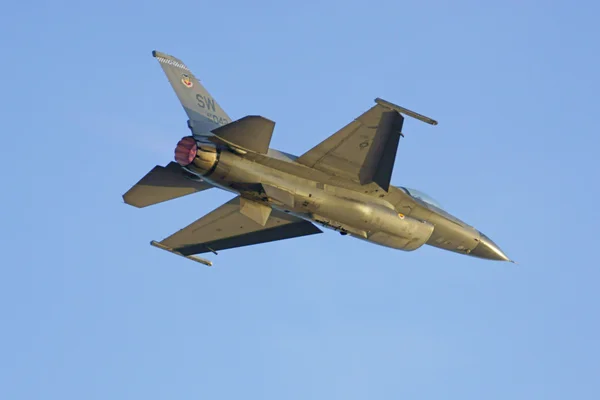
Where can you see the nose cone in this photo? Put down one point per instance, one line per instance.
(489, 250)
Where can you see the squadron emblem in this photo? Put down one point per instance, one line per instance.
(187, 82)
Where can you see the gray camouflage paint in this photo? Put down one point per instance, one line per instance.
(278, 191)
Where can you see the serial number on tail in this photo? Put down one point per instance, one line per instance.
(217, 119)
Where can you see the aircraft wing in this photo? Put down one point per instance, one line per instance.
(365, 149)
(361, 148)
(226, 227)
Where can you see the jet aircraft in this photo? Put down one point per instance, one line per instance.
(343, 183)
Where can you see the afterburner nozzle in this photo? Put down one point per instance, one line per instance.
(185, 152)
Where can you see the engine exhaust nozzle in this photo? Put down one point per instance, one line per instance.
(185, 152)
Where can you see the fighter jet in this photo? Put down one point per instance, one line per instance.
(343, 183)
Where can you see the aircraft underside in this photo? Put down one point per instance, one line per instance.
(343, 183)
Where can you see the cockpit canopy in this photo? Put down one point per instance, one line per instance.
(423, 197)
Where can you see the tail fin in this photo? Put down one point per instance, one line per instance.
(204, 112)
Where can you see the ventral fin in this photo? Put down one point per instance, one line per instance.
(257, 212)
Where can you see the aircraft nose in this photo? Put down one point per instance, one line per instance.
(489, 250)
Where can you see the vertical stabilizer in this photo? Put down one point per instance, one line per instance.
(204, 112)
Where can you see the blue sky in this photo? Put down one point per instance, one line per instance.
(90, 311)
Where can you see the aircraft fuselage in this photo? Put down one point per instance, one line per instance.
(393, 219)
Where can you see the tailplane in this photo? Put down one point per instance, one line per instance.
(163, 184)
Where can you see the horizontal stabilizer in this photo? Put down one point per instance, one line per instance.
(250, 133)
(162, 184)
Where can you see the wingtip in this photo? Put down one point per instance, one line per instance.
(161, 246)
(405, 111)
(153, 53)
